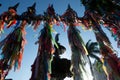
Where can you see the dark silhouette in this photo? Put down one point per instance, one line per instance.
(4, 69)
(60, 66)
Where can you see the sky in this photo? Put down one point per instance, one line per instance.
(30, 51)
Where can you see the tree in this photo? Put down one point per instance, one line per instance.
(92, 48)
